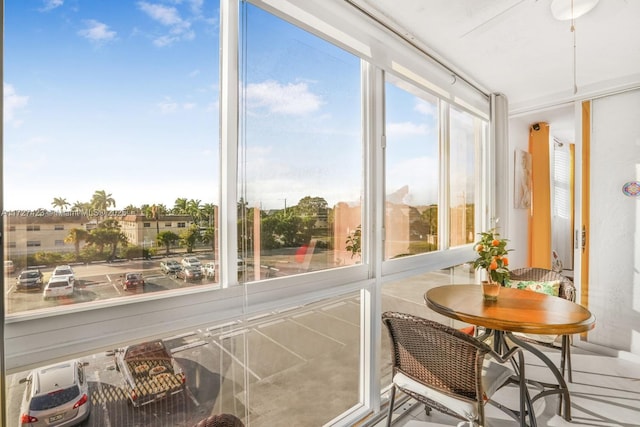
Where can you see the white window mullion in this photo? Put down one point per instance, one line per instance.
(229, 137)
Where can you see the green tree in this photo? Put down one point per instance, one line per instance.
(166, 239)
(60, 202)
(208, 213)
(313, 206)
(180, 206)
(190, 237)
(131, 209)
(107, 233)
(209, 236)
(354, 242)
(102, 200)
(75, 236)
(79, 206)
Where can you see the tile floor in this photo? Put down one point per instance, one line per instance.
(605, 392)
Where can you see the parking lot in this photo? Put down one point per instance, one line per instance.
(96, 282)
(240, 368)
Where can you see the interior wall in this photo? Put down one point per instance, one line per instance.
(518, 231)
(561, 122)
(614, 261)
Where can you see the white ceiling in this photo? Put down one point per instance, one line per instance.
(516, 47)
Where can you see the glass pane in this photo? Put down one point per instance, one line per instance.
(412, 171)
(110, 143)
(301, 153)
(407, 296)
(465, 137)
(269, 371)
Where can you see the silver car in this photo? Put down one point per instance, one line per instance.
(56, 395)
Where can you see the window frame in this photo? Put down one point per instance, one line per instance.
(35, 338)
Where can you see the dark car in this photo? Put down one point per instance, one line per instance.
(189, 274)
(29, 280)
(132, 280)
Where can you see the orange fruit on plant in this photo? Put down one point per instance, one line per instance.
(493, 265)
(495, 242)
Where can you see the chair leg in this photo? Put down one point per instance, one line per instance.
(391, 402)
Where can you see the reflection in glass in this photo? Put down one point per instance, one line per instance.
(266, 372)
(465, 137)
(301, 152)
(412, 171)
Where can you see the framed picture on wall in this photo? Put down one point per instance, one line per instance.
(522, 181)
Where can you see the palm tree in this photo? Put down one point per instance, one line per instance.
(180, 206)
(208, 211)
(131, 209)
(80, 206)
(60, 202)
(75, 236)
(209, 236)
(102, 201)
(193, 209)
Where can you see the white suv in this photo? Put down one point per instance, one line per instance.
(64, 271)
(191, 261)
(56, 395)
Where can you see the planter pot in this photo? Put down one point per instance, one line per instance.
(490, 290)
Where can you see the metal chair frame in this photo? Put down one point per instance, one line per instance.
(567, 291)
(450, 362)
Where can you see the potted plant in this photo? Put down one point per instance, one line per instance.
(492, 257)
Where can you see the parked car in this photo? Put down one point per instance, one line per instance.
(170, 266)
(209, 270)
(190, 274)
(9, 268)
(64, 271)
(56, 395)
(29, 280)
(191, 262)
(150, 372)
(58, 286)
(132, 280)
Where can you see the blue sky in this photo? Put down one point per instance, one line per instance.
(125, 99)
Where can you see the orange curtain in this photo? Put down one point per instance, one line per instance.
(540, 214)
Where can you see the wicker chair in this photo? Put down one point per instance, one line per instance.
(567, 291)
(220, 420)
(447, 370)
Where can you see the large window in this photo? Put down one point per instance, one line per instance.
(301, 161)
(146, 141)
(110, 130)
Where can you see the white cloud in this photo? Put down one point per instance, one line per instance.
(165, 15)
(51, 4)
(406, 128)
(179, 29)
(292, 99)
(97, 32)
(426, 108)
(188, 105)
(12, 103)
(168, 106)
(194, 73)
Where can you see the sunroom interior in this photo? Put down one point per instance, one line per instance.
(198, 129)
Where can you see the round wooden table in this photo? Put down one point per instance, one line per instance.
(515, 311)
